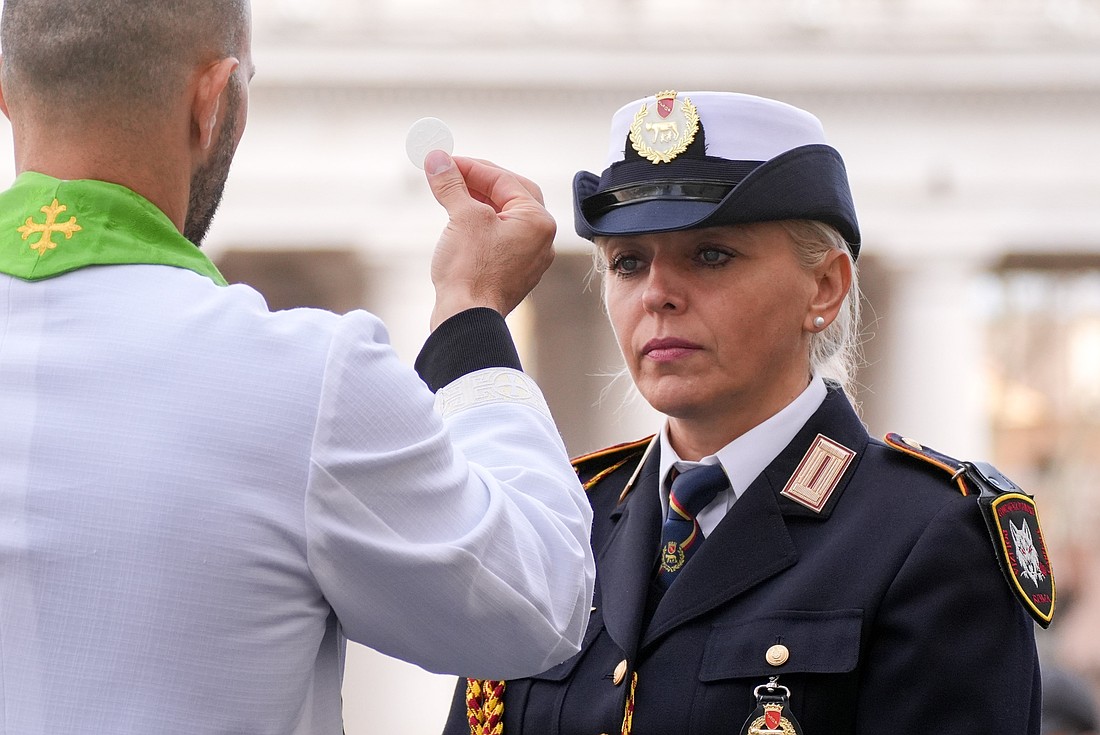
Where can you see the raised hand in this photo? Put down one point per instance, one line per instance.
(499, 237)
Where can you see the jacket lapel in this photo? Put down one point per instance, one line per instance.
(752, 543)
(624, 566)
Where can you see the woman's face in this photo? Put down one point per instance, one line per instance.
(712, 322)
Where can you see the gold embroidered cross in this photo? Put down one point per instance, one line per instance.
(50, 226)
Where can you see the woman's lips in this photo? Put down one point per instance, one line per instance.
(668, 349)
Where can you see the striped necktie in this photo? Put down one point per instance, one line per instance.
(680, 536)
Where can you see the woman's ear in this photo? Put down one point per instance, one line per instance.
(833, 279)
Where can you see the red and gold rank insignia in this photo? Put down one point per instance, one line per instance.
(665, 130)
(818, 474)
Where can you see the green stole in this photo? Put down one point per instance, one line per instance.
(49, 227)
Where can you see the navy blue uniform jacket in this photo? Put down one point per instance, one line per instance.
(890, 602)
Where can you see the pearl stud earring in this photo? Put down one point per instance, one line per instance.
(819, 321)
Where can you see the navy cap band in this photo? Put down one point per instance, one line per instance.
(598, 204)
(705, 179)
(706, 168)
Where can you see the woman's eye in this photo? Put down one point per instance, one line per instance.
(624, 264)
(711, 256)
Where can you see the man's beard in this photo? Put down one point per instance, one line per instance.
(208, 182)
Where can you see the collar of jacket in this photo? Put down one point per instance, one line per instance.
(49, 227)
(754, 533)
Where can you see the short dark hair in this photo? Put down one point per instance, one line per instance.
(80, 53)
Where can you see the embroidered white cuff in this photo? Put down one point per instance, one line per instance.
(492, 385)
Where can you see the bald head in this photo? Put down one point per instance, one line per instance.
(129, 56)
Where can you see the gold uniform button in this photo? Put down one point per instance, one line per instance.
(620, 673)
(777, 655)
(912, 444)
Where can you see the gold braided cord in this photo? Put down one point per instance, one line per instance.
(485, 706)
(628, 713)
(473, 705)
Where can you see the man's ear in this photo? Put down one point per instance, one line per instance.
(3, 99)
(209, 84)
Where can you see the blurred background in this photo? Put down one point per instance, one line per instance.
(971, 132)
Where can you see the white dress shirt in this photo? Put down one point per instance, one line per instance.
(199, 500)
(746, 456)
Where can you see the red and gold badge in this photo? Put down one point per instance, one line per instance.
(665, 130)
(772, 722)
(672, 557)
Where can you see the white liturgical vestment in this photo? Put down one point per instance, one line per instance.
(200, 500)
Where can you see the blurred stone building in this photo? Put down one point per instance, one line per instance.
(971, 131)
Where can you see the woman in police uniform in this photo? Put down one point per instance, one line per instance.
(829, 583)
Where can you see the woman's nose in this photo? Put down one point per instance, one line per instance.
(664, 291)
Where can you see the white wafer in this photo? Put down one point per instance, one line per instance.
(425, 135)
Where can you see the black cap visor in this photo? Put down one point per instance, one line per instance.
(809, 182)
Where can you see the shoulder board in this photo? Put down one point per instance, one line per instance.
(593, 467)
(1011, 519)
(915, 449)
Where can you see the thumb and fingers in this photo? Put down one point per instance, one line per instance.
(499, 185)
(484, 181)
(498, 240)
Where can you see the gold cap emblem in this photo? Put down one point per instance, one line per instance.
(665, 131)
